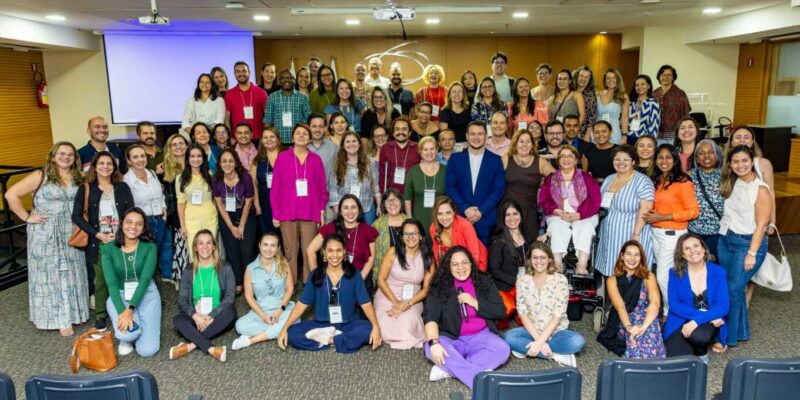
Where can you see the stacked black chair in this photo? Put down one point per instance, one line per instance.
(762, 379)
(7, 388)
(680, 378)
(133, 385)
(552, 384)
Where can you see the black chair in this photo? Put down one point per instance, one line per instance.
(761, 379)
(557, 383)
(133, 385)
(670, 379)
(703, 128)
(7, 388)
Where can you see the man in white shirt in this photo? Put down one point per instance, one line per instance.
(375, 78)
(503, 83)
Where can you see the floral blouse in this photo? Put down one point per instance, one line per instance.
(483, 112)
(541, 305)
(708, 221)
(590, 107)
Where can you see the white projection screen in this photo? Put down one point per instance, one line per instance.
(152, 74)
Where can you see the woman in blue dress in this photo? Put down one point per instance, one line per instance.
(261, 172)
(613, 104)
(627, 195)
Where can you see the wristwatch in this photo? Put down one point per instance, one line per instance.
(433, 342)
(751, 253)
(131, 307)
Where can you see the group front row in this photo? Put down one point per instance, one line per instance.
(451, 309)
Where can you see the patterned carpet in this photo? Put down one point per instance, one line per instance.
(264, 370)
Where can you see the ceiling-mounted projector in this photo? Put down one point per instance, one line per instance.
(154, 18)
(389, 14)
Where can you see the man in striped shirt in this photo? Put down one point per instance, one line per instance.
(286, 108)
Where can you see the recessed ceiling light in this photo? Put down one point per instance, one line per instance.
(56, 17)
(712, 10)
(261, 17)
(520, 14)
(603, 32)
(353, 22)
(432, 21)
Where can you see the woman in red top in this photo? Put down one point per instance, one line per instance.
(450, 229)
(433, 92)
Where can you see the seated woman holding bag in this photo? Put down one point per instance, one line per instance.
(205, 300)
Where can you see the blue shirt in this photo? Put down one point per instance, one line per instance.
(87, 153)
(352, 293)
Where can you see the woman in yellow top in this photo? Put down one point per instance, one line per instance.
(196, 209)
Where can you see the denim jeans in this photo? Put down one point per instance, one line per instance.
(147, 338)
(371, 215)
(732, 250)
(561, 342)
(163, 238)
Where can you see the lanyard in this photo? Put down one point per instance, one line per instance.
(305, 166)
(210, 282)
(328, 284)
(251, 97)
(405, 158)
(133, 262)
(425, 179)
(354, 241)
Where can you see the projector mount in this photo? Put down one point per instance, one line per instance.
(154, 18)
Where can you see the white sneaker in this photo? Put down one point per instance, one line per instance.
(321, 335)
(125, 348)
(565, 359)
(240, 342)
(518, 354)
(438, 374)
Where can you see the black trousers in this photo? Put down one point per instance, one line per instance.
(222, 323)
(238, 252)
(696, 344)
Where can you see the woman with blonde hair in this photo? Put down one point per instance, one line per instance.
(174, 152)
(613, 105)
(268, 289)
(456, 113)
(524, 172)
(433, 92)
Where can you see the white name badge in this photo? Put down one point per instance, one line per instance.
(435, 110)
(560, 119)
(335, 312)
(302, 187)
(400, 176)
(269, 180)
(350, 258)
(355, 190)
(522, 125)
(635, 125)
(129, 289)
(197, 197)
(606, 117)
(155, 207)
(398, 107)
(408, 292)
(607, 197)
(520, 270)
(230, 203)
(286, 119)
(248, 112)
(429, 196)
(489, 130)
(206, 305)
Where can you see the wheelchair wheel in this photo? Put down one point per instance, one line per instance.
(598, 319)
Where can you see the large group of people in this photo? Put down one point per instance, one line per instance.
(437, 219)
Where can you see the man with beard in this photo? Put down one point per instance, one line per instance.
(402, 98)
(554, 138)
(320, 144)
(475, 180)
(397, 157)
(313, 66)
(375, 78)
(97, 129)
(572, 130)
(286, 108)
(245, 102)
(146, 132)
(361, 90)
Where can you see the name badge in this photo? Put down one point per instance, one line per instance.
(155, 207)
(408, 292)
(206, 305)
(355, 190)
(429, 196)
(286, 119)
(520, 270)
(197, 197)
(606, 202)
(435, 110)
(398, 107)
(606, 117)
(248, 112)
(230, 203)
(129, 289)
(522, 125)
(269, 180)
(302, 187)
(350, 258)
(560, 119)
(489, 130)
(400, 176)
(635, 125)
(335, 312)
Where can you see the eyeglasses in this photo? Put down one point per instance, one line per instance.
(567, 157)
(410, 235)
(393, 200)
(464, 263)
(327, 75)
(378, 98)
(446, 140)
(622, 160)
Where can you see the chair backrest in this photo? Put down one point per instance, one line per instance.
(7, 388)
(132, 385)
(670, 379)
(702, 121)
(557, 384)
(761, 379)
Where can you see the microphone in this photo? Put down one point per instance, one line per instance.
(463, 306)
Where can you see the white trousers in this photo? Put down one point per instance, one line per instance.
(581, 232)
(664, 242)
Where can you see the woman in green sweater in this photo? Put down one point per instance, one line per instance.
(134, 304)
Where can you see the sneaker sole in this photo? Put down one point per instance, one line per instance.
(518, 354)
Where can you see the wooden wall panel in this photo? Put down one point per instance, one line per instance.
(524, 54)
(752, 84)
(477, 56)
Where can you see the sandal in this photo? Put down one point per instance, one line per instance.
(66, 332)
(718, 348)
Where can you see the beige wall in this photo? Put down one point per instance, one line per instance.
(707, 68)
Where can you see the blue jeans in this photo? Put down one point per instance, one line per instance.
(371, 215)
(712, 242)
(561, 342)
(163, 238)
(732, 249)
(147, 338)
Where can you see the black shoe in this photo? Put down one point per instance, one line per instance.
(100, 324)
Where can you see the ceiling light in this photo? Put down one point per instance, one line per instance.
(520, 14)
(234, 5)
(712, 10)
(353, 22)
(56, 17)
(432, 21)
(603, 32)
(261, 17)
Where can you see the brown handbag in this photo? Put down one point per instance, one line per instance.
(79, 238)
(93, 350)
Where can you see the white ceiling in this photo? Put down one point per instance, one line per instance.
(545, 16)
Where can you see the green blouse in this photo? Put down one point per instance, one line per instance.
(416, 184)
(119, 267)
(319, 102)
(206, 284)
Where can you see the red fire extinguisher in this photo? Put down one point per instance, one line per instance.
(41, 91)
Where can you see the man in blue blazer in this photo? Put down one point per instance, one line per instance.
(475, 180)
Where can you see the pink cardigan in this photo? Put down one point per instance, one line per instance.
(588, 207)
(286, 205)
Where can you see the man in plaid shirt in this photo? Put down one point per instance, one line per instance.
(287, 107)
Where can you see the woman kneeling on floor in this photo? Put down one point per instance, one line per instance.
(268, 288)
(460, 313)
(334, 288)
(205, 300)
